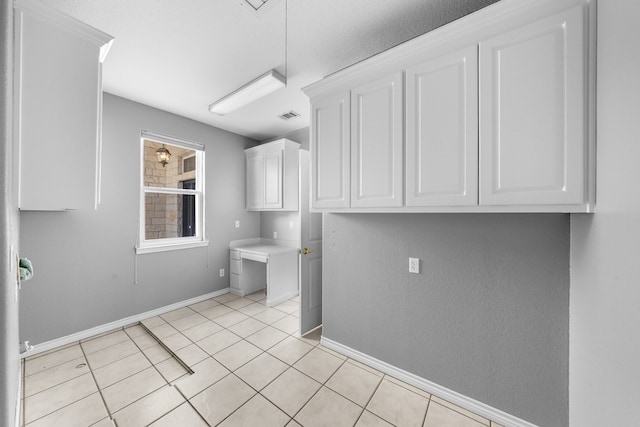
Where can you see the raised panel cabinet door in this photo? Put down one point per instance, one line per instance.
(273, 179)
(255, 181)
(533, 141)
(330, 152)
(376, 143)
(442, 131)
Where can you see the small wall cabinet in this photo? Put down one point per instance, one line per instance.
(272, 176)
(493, 112)
(58, 108)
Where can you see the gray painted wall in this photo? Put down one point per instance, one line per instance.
(84, 260)
(605, 272)
(9, 224)
(488, 315)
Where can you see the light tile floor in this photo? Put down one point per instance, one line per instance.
(232, 362)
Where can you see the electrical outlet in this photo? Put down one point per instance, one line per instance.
(275, 234)
(414, 265)
(222, 272)
(237, 223)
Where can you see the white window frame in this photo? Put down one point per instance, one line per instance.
(166, 244)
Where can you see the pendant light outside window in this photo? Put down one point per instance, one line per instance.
(163, 155)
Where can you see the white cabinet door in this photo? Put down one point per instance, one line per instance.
(442, 131)
(255, 181)
(533, 138)
(273, 178)
(330, 152)
(58, 92)
(376, 143)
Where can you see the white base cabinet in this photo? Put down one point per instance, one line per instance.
(494, 112)
(272, 176)
(58, 102)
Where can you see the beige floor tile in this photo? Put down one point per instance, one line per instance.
(354, 383)
(267, 337)
(105, 422)
(366, 368)
(367, 419)
(257, 296)
(238, 303)
(270, 316)
(39, 363)
(53, 376)
(218, 341)
(111, 354)
(183, 416)
(332, 352)
(135, 330)
(288, 307)
(439, 415)
(92, 345)
(290, 350)
(163, 331)
(156, 354)
(495, 424)
(171, 369)
(318, 364)
(191, 354)
(202, 330)
(408, 386)
(177, 314)
(221, 399)
(144, 341)
(230, 319)
(226, 298)
(176, 342)
(247, 327)
(257, 412)
(237, 355)
(462, 411)
(206, 373)
(153, 322)
(123, 368)
(127, 391)
(215, 312)
(59, 396)
(188, 321)
(150, 408)
(203, 305)
(398, 405)
(253, 309)
(328, 408)
(291, 391)
(288, 324)
(293, 423)
(84, 412)
(261, 371)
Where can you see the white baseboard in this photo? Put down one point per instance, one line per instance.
(59, 342)
(456, 398)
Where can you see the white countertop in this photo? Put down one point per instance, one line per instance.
(264, 247)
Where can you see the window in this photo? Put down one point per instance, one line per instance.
(171, 194)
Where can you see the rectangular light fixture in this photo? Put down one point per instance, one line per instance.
(252, 91)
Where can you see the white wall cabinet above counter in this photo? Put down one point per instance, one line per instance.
(58, 102)
(272, 176)
(494, 112)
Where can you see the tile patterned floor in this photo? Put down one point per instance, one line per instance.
(235, 362)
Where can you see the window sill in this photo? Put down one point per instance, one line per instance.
(149, 249)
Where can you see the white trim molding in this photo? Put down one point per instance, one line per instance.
(69, 339)
(456, 398)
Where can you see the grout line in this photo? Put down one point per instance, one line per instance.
(104, 402)
(171, 352)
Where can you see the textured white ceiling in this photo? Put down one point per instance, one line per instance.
(181, 55)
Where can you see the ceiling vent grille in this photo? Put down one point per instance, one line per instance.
(289, 115)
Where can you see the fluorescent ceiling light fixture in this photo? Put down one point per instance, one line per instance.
(252, 91)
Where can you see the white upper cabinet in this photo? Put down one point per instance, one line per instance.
(58, 102)
(331, 152)
(442, 130)
(376, 143)
(498, 116)
(533, 112)
(272, 176)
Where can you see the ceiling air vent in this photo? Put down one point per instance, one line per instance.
(289, 115)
